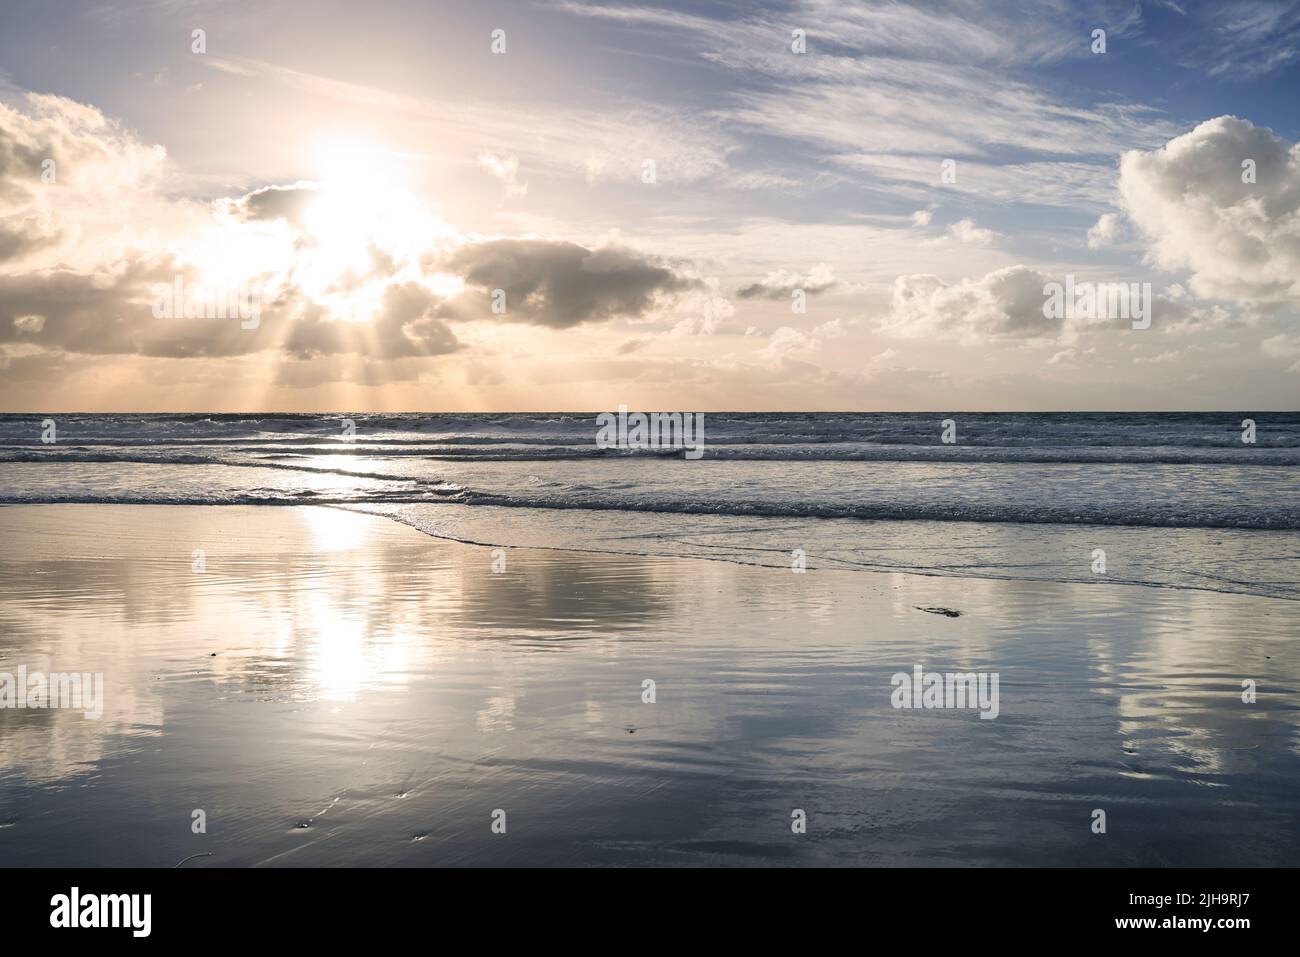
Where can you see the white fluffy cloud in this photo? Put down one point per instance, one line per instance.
(1105, 231)
(965, 231)
(1192, 202)
(69, 178)
(788, 340)
(1006, 303)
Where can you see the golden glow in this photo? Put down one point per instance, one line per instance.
(340, 664)
(363, 230)
(332, 529)
(229, 255)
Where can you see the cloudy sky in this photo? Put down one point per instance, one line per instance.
(629, 204)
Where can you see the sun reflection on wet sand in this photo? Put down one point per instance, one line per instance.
(331, 684)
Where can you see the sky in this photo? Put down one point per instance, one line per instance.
(484, 206)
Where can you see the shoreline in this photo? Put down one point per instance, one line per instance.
(410, 515)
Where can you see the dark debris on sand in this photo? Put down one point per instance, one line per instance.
(936, 610)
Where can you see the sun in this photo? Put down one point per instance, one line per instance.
(364, 226)
(363, 201)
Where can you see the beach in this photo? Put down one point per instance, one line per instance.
(788, 437)
(333, 688)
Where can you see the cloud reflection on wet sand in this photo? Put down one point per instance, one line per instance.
(339, 689)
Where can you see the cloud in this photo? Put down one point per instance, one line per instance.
(1243, 39)
(1162, 358)
(601, 146)
(358, 287)
(703, 311)
(1283, 346)
(270, 203)
(405, 325)
(888, 90)
(788, 340)
(88, 149)
(781, 284)
(550, 283)
(103, 315)
(111, 313)
(833, 328)
(1064, 184)
(20, 237)
(66, 171)
(1105, 232)
(1002, 33)
(1238, 240)
(506, 169)
(557, 283)
(858, 127)
(965, 231)
(1007, 303)
(634, 344)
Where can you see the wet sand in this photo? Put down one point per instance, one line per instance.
(331, 688)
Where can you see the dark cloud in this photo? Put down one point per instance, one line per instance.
(82, 312)
(405, 326)
(635, 344)
(20, 237)
(274, 202)
(781, 284)
(93, 315)
(551, 283)
(557, 284)
(20, 166)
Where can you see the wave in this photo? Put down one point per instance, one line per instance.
(1244, 562)
(264, 455)
(1148, 516)
(1176, 430)
(1032, 514)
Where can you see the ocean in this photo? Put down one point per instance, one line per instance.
(1173, 499)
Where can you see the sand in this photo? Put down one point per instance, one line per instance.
(331, 688)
